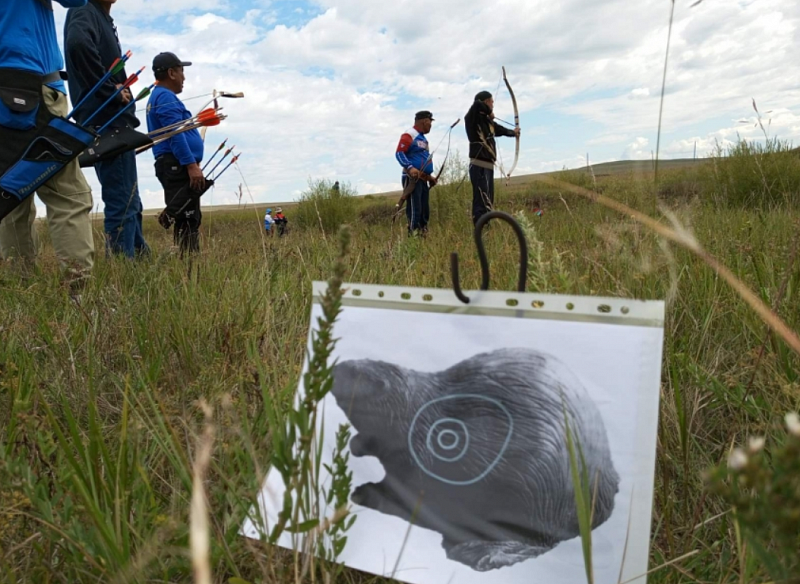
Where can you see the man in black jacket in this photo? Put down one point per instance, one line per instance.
(91, 45)
(481, 130)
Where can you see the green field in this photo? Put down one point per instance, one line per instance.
(99, 414)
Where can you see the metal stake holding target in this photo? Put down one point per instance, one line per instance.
(523, 255)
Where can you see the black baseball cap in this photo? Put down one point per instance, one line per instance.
(164, 61)
(424, 114)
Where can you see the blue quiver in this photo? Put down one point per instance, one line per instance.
(34, 144)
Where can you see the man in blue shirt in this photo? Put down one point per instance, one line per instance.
(177, 159)
(28, 43)
(413, 154)
(91, 45)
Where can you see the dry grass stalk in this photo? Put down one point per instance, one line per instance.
(688, 242)
(199, 530)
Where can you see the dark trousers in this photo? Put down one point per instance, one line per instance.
(418, 210)
(174, 177)
(482, 191)
(122, 206)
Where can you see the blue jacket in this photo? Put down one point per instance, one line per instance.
(90, 46)
(413, 151)
(28, 37)
(164, 109)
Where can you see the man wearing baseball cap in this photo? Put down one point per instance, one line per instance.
(413, 154)
(177, 159)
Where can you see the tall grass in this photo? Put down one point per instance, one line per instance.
(99, 402)
(750, 174)
(325, 208)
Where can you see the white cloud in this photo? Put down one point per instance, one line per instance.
(329, 97)
(637, 150)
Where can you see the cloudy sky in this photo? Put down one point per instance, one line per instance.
(330, 85)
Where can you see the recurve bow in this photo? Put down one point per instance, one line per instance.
(516, 122)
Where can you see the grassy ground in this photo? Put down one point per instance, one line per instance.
(99, 411)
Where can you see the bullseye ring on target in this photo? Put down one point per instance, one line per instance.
(448, 438)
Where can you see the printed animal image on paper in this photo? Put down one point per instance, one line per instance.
(478, 451)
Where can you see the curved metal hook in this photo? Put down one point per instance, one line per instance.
(523, 255)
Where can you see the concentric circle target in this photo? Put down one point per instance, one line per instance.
(449, 440)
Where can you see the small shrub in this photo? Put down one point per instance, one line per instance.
(678, 187)
(763, 489)
(323, 207)
(377, 213)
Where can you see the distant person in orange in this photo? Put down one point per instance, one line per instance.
(280, 221)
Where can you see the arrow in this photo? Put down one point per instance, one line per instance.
(232, 162)
(117, 66)
(224, 156)
(211, 181)
(207, 114)
(128, 82)
(227, 94)
(221, 146)
(142, 94)
(181, 130)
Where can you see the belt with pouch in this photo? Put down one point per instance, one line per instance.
(54, 77)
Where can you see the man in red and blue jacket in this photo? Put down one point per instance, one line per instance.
(413, 154)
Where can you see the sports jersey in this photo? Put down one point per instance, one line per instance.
(413, 151)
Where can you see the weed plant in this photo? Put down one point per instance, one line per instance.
(324, 208)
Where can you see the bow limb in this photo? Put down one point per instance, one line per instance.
(516, 122)
(447, 154)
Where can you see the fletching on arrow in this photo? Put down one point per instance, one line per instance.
(132, 79)
(227, 166)
(213, 156)
(238, 94)
(221, 160)
(113, 143)
(128, 82)
(190, 125)
(199, 118)
(118, 66)
(144, 93)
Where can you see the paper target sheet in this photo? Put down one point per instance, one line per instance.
(459, 448)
